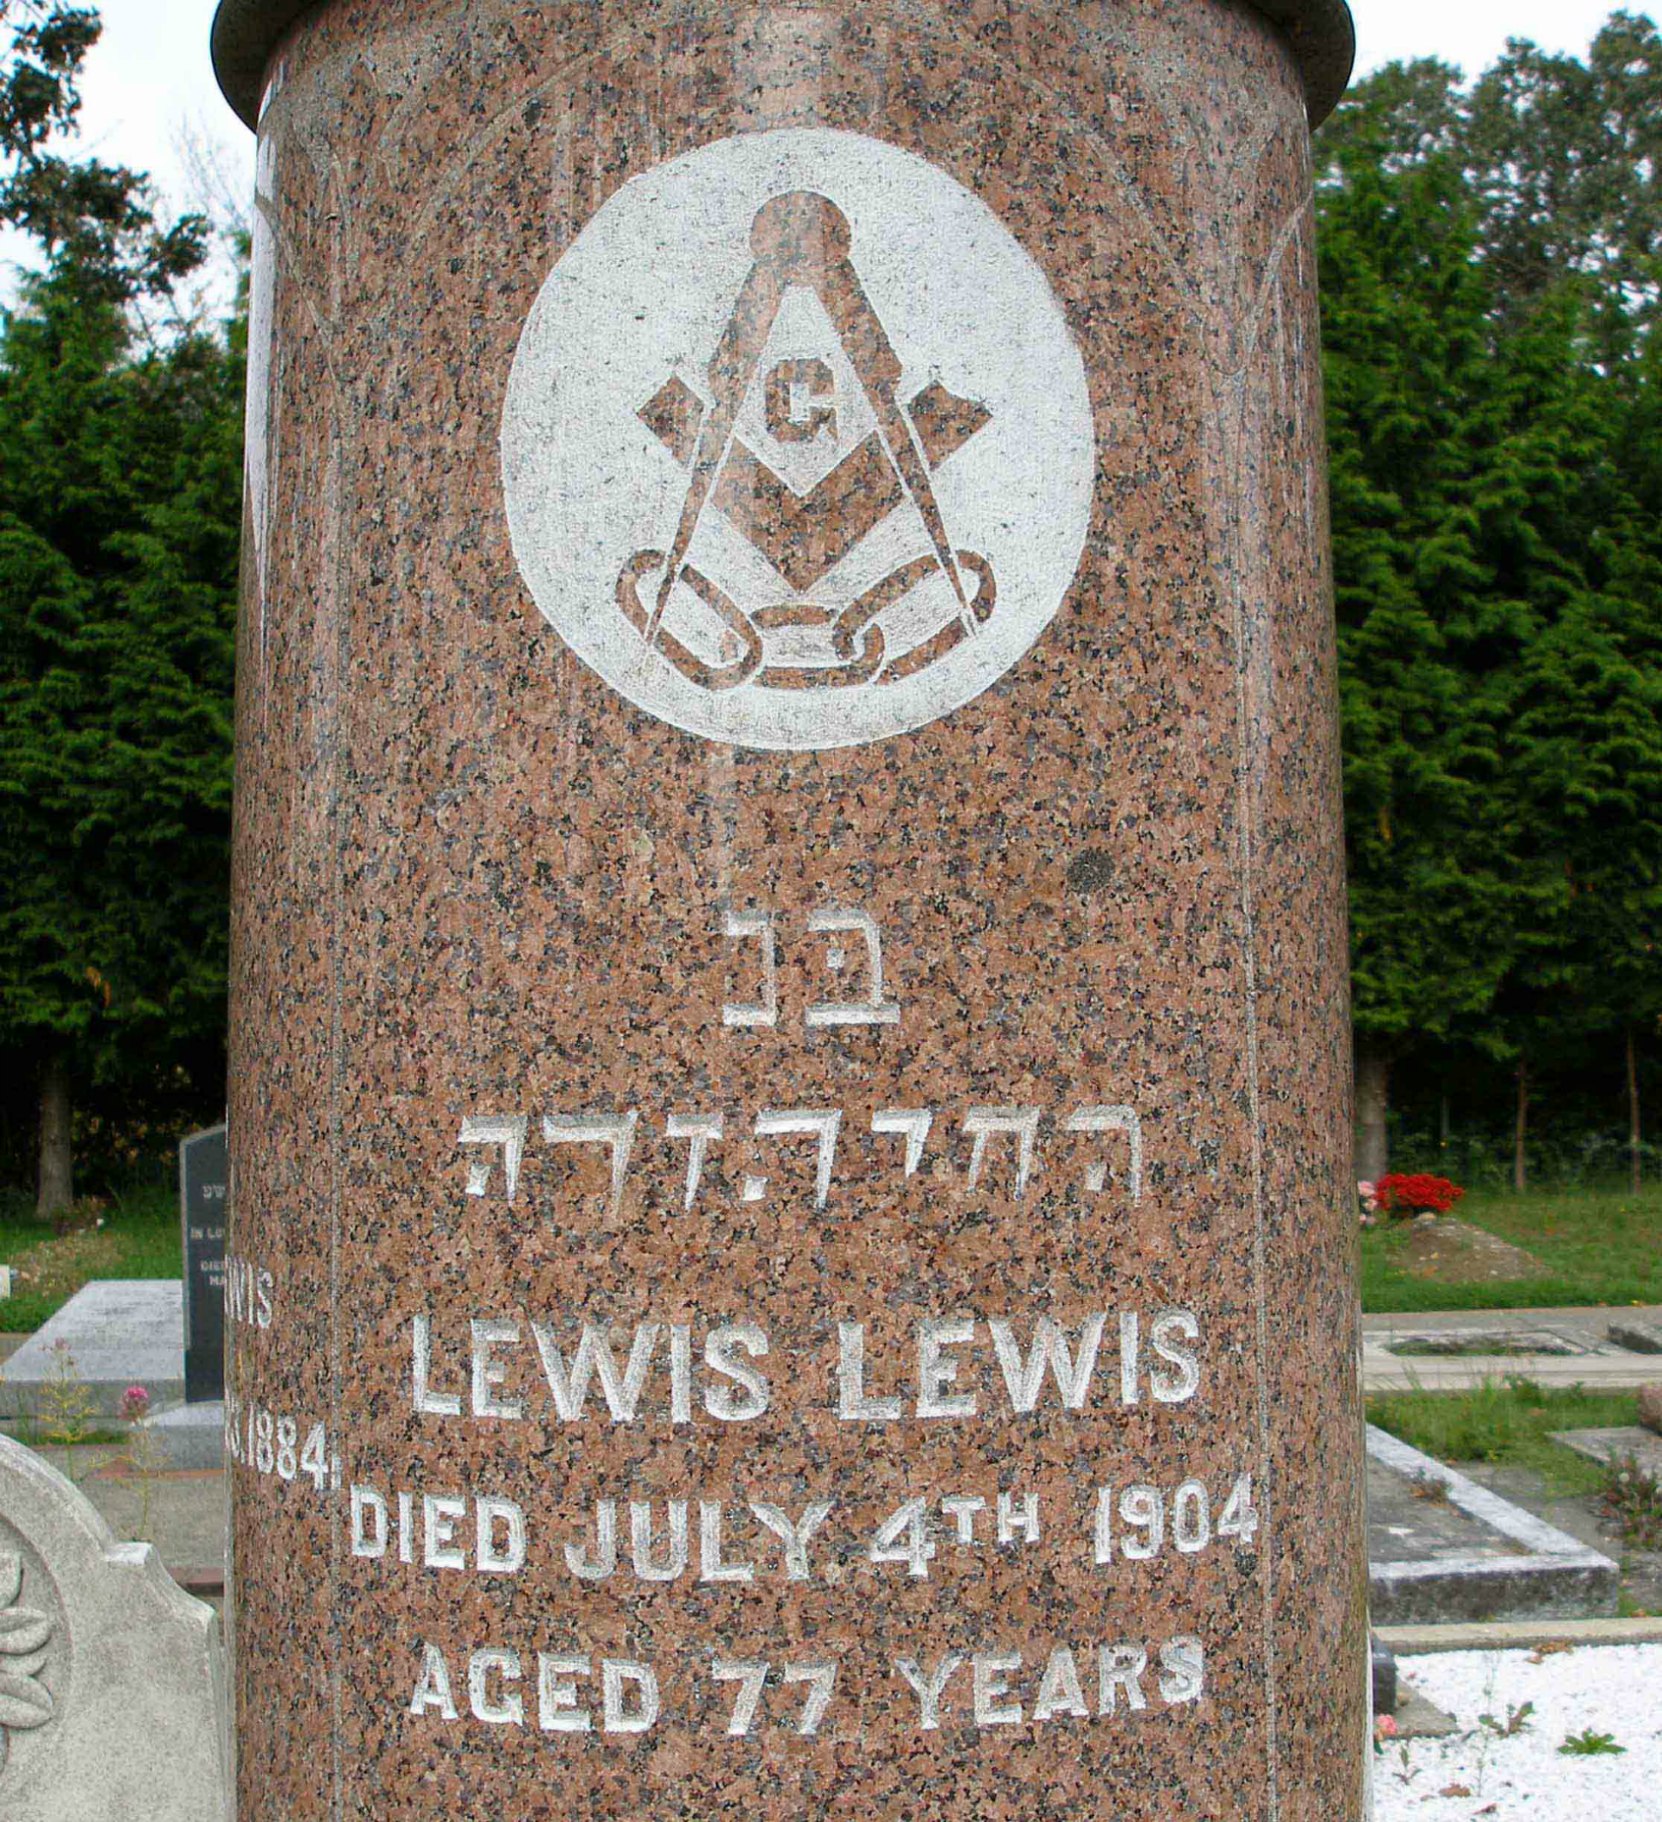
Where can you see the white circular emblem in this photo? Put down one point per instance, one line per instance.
(797, 448)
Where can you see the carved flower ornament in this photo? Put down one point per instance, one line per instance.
(24, 1701)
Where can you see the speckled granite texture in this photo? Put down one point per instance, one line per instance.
(542, 1006)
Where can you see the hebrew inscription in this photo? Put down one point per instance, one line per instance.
(1007, 1149)
(862, 1004)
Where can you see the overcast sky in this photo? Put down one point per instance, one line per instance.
(149, 90)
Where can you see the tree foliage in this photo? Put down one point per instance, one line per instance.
(1490, 271)
(1491, 261)
(118, 523)
(119, 516)
(89, 216)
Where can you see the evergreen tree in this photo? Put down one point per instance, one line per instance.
(119, 509)
(1564, 160)
(119, 514)
(1424, 640)
(1494, 556)
(1586, 743)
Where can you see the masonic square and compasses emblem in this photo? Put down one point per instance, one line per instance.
(797, 449)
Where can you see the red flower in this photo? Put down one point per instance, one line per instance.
(1414, 1195)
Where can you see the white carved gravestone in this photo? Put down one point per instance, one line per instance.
(111, 1683)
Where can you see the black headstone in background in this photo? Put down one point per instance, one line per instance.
(1384, 1677)
(202, 1179)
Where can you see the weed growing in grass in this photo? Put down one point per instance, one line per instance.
(1519, 1719)
(1633, 1499)
(1590, 1745)
(65, 1406)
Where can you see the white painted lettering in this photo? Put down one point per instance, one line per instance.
(1143, 1508)
(432, 1688)
(765, 1011)
(369, 1523)
(818, 1123)
(502, 1132)
(615, 1131)
(673, 1563)
(490, 1372)
(821, 1679)
(929, 1686)
(1022, 1123)
(1129, 1362)
(938, 1371)
(853, 1404)
(621, 1710)
(1071, 1371)
(1120, 1667)
(1173, 1334)
(961, 1508)
(711, 1566)
(499, 1530)
(911, 1124)
(428, 1402)
(1103, 1527)
(700, 1130)
(747, 1397)
(680, 1373)
(570, 1386)
(558, 1707)
(794, 1536)
(750, 1674)
(440, 1515)
(991, 1682)
(869, 1008)
(506, 1709)
(1111, 1119)
(1182, 1671)
(602, 1562)
(1060, 1691)
(1018, 1523)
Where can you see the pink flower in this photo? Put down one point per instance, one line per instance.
(135, 1403)
(1385, 1727)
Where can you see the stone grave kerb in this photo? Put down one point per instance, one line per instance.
(112, 1698)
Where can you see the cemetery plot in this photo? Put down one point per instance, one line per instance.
(1441, 1547)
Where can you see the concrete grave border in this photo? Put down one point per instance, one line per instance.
(1553, 1575)
(110, 1354)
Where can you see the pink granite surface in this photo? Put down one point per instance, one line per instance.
(476, 882)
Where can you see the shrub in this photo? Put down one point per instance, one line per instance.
(1417, 1195)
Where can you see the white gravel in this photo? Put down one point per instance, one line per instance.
(1523, 1777)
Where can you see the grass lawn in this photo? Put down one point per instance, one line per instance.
(139, 1239)
(1596, 1246)
(1508, 1423)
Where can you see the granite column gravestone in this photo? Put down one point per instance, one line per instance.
(202, 1184)
(789, 1090)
